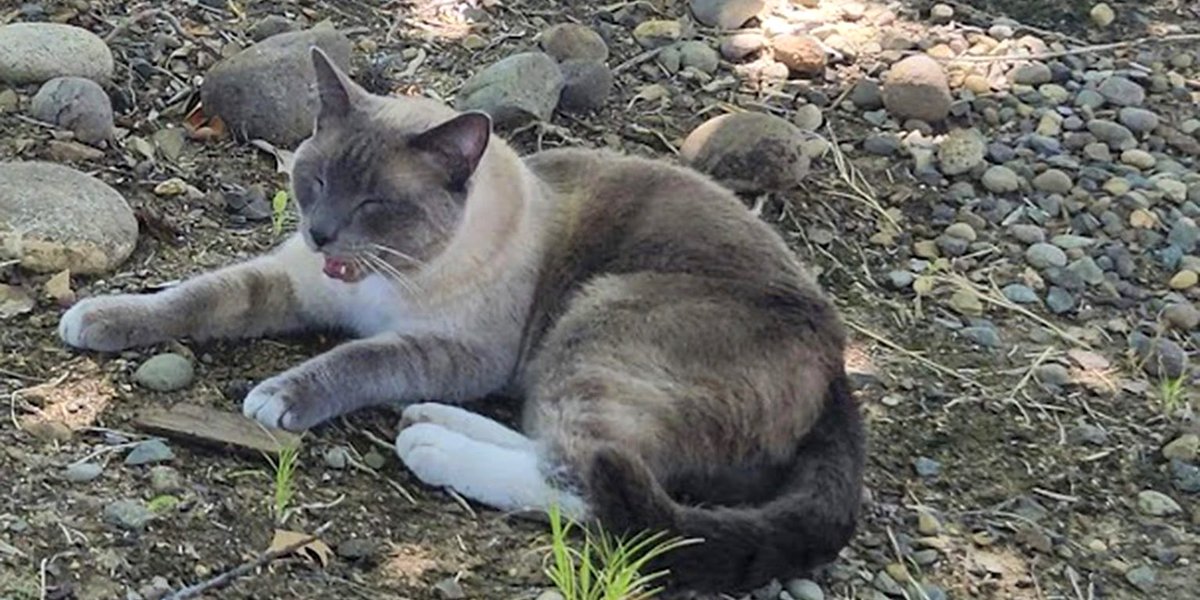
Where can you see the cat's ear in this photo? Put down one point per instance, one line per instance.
(335, 91)
(457, 145)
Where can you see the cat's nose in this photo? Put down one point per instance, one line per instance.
(321, 237)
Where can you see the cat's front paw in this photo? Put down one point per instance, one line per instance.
(111, 323)
(282, 403)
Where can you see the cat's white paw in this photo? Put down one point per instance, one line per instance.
(108, 323)
(472, 425)
(432, 452)
(281, 403)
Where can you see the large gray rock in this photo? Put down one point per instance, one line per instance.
(37, 52)
(515, 90)
(268, 91)
(726, 14)
(53, 217)
(571, 41)
(77, 104)
(748, 151)
(916, 88)
(586, 85)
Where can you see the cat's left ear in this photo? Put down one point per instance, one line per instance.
(457, 145)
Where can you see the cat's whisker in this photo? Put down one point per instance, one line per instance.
(398, 254)
(389, 272)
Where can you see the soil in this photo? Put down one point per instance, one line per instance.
(1026, 512)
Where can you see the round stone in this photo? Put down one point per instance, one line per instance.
(165, 372)
(1042, 256)
(726, 14)
(1053, 181)
(1031, 73)
(961, 151)
(748, 151)
(514, 90)
(802, 54)
(999, 179)
(586, 85)
(1102, 15)
(657, 33)
(567, 41)
(53, 217)
(77, 104)
(1182, 316)
(1121, 91)
(916, 88)
(741, 45)
(1138, 120)
(37, 52)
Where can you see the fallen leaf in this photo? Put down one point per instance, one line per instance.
(58, 287)
(14, 301)
(283, 158)
(316, 550)
(1087, 359)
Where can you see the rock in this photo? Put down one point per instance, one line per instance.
(966, 303)
(1053, 181)
(570, 41)
(1121, 91)
(336, 458)
(449, 589)
(1185, 447)
(1175, 191)
(166, 480)
(268, 90)
(1087, 270)
(65, 151)
(657, 33)
(1160, 357)
(882, 144)
(916, 88)
(1157, 504)
(586, 85)
(927, 467)
(1059, 300)
(726, 14)
(357, 548)
(166, 372)
(987, 337)
(1117, 136)
(1182, 316)
(1020, 294)
(1138, 120)
(1185, 234)
(999, 179)
(1183, 280)
(1042, 256)
(867, 94)
(802, 54)
(550, 595)
(941, 13)
(808, 117)
(149, 451)
(1102, 15)
(37, 52)
(1099, 152)
(82, 472)
(66, 219)
(699, 56)
(740, 45)
(1089, 98)
(77, 104)
(748, 151)
(1088, 434)
(1031, 73)
(270, 25)
(961, 151)
(374, 459)
(515, 90)
(962, 231)
(928, 524)
(127, 514)
(1137, 158)
(887, 584)
(1185, 477)
(804, 589)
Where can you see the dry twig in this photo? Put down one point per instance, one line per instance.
(225, 578)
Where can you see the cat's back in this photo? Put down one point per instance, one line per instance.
(626, 214)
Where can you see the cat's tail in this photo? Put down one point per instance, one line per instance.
(804, 526)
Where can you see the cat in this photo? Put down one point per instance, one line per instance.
(678, 368)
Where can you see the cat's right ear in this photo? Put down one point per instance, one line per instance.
(335, 91)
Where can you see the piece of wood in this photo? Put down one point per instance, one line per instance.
(213, 427)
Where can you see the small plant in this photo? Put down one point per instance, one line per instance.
(604, 567)
(1173, 393)
(284, 467)
(279, 212)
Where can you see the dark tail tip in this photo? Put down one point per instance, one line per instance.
(625, 495)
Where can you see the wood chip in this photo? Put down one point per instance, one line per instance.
(213, 427)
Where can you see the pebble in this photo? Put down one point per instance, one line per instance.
(1185, 477)
(917, 88)
(1175, 191)
(514, 90)
(657, 33)
(882, 144)
(1102, 15)
(1043, 255)
(886, 584)
(1059, 300)
(1182, 316)
(1088, 434)
(1117, 136)
(698, 55)
(1160, 357)
(337, 458)
(37, 52)
(1089, 98)
(1137, 158)
(961, 151)
(1099, 152)
(941, 13)
(165, 480)
(82, 472)
(999, 179)
(748, 151)
(357, 548)
(740, 45)
(867, 94)
(165, 372)
(1121, 91)
(1185, 234)
(69, 220)
(1142, 577)
(901, 280)
(1157, 504)
(1054, 94)
(987, 337)
(808, 117)
(149, 451)
(127, 514)
(1183, 280)
(587, 84)
(1087, 270)
(449, 589)
(270, 25)
(966, 303)
(726, 14)
(1138, 120)
(927, 467)
(571, 41)
(804, 589)
(76, 104)
(1053, 181)
(928, 524)
(802, 54)
(1031, 73)
(266, 91)
(1020, 294)
(1185, 447)
(374, 459)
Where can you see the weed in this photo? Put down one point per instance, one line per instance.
(604, 567)
(284, 467)
(1173, 393)
(279, 212)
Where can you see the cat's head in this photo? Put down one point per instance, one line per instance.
(382, 188)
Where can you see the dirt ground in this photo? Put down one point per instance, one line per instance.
(1024, 511)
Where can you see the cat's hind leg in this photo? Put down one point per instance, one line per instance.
(508, 479)
(472, 425)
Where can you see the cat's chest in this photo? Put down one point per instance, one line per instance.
(373, 306)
